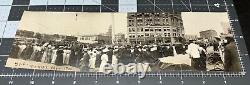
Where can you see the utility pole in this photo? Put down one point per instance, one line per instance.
(113, 29)
(76, 17)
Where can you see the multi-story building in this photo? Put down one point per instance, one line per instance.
(208, 34)
(92, 39)
(119, 38)
(148, 28)
(190, 37)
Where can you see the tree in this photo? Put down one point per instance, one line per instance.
(38, 35)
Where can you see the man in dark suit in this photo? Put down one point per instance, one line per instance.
(232, 62)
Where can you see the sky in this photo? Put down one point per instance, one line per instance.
(67, 23)
(194, 22)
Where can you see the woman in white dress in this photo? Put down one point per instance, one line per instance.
(68, 53)
(104, 59)
(92, 59)
(54, 55)
(64, 55)
(114, 57)
(45, 55)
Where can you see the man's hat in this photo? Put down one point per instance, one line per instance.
(105, 50)
(116, 47)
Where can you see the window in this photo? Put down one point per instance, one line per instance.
(169, 34)
(138, 29)
(174, 34)
(157, 29)
(133, 29)
(151, 35)
(129, 30)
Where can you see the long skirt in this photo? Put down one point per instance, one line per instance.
(54, 56)
(102, 66)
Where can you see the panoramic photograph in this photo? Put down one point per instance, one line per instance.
(89, 42)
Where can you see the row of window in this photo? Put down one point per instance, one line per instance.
(151, 30)
(154, 35)
(150, 14)
(152, 23)
(149, 24)
(86, 38)
(146, 19)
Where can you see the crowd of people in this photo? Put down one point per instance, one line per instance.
(91, 58)
(216, 52)
(87, 56)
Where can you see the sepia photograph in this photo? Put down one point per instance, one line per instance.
(159, 42)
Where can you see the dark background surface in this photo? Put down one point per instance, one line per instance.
(243, 10)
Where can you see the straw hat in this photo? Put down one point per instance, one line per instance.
(105, 50)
